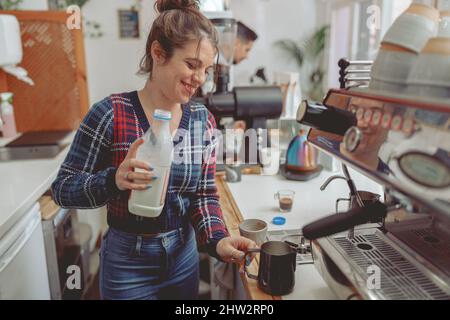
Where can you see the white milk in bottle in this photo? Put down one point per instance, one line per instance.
(157, 150)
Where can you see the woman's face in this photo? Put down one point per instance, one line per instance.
(180, 76)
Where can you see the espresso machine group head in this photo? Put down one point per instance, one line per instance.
(254, 105)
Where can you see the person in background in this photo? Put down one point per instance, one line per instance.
(243, 44)
(154, 258)
(245, 39)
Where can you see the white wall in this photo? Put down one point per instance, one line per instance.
(112, 63)
(272, 20)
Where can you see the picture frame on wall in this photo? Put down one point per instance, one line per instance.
(128, 24)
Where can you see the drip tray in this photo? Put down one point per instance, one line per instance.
(430, 244)
(400, 278)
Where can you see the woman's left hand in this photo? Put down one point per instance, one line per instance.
(233, 249)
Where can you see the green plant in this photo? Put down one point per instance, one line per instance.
(10, 4)
(311, 51)
(62, 4)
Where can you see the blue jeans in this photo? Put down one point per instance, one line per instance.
(136, 267)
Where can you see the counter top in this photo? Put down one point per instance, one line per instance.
(23, 183)
(253, 197)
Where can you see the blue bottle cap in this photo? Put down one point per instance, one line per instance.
(279, 221)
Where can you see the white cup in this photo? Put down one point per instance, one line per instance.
(292, 93)
(391, 69)
(254, 229)
(270, 160)
(430, 75)
(413, 28)
(444, 25)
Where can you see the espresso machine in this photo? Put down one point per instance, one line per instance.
(254, 105)
(396, 248)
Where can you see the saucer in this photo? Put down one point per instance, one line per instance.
(300, 176)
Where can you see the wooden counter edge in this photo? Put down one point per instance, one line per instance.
(233, 217)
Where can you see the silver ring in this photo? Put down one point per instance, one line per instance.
(126, 175)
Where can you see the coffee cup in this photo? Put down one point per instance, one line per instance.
(444, 25)
(413, 28)
(277, 264)
(366, 197)
(254, 229)
(270, 160)
(233, 173)
(430, 75)
(391, 68)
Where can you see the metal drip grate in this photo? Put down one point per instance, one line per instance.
(428, 243)
(400, 279)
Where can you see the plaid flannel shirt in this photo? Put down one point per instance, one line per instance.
(86, 178)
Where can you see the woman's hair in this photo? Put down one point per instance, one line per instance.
(179, 22)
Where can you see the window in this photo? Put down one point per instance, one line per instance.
(357, 28)
(212, 5)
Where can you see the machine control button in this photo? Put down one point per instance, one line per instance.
(397, 123)
(352, 139)
(386, 121)
(376, 118)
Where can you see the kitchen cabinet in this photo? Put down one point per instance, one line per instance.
(23, 268)
(23, 184)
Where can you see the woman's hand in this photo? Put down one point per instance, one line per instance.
(233, 249)
(126, 178)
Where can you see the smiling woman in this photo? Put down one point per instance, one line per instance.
(154, 258)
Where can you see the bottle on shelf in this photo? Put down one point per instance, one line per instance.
(7, 122)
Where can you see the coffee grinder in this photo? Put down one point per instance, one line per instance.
(254, 105)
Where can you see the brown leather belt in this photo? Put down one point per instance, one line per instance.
(149, 235)
(152, 235)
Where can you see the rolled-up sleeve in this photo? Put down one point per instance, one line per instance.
(86, 178)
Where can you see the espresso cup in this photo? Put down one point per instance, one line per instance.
(254, 229)
(277, 264)
(285, 199)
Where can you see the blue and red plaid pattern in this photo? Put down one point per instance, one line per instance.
(87, 176)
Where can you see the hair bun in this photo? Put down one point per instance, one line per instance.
(165, 5)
